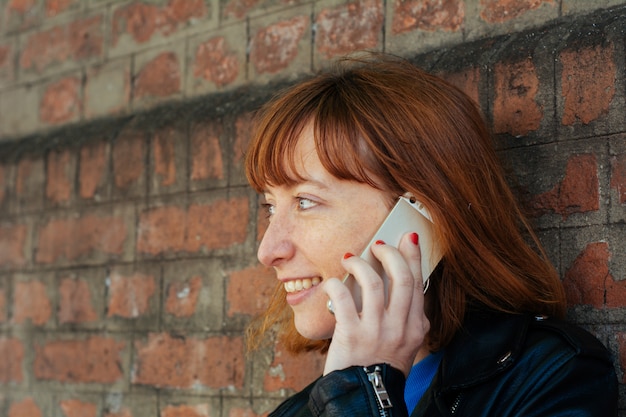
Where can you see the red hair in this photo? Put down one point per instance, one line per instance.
(382, 117)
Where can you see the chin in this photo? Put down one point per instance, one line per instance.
(315, 328)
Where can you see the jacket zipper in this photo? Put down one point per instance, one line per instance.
(455, 404)
(382, 396)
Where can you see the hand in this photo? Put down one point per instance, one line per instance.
(393, 334)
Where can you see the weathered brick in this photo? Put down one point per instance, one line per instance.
(244, 412)
(97, 359)
(199, 410)
(274, 47)
(56, 7)
(159, 77)
(25, 408)
(75, 302)
(287, 372)
(129, 161)
(12, 354)
(124, 412)
(585, 280)
(73, 238)
(143, 21)
(515, 110)
(216, 62)
(30, 183)
(78, 408)
(31, 302)
(587, 83)
(500, 11)
(238, 8)
(203, 226)
(107, 88)
(578, 192)
(168, 160)
(350, 27)
(248, 290)
(621, 343)
(243, 128)
(3, 305)
(22, 119)
(21, 14)
(430, 15)
(206, 155)
(13, 245)
(7, 71)
(3, 182)
(62, 101)
(92, 170)
(182, 297)
(467, 80)
(166, 361)
(79, 40)
(130, 296)
(60, 178)
(618, 177)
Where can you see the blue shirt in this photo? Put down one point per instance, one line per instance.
(420, 377)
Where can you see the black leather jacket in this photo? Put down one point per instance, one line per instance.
(499, 365)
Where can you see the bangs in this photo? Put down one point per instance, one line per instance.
(340, 141)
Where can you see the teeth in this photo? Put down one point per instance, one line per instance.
(301, 284)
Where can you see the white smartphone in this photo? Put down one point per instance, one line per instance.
(407, 215)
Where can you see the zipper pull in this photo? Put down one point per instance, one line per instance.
(379, 388)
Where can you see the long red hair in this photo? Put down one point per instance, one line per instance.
(382, 117)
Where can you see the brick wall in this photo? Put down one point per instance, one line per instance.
(128, 234)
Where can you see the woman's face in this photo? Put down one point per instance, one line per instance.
(312, 225)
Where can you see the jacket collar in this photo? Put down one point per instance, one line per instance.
(488, 343)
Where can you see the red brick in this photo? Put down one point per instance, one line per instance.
(243, 127)
(160, 77)
(206, 154)
(13, 245)
(182, 297)
(500, 11)
(585, 280)
(515, 110)
(165, 156)
(239, 8)
(276, 46)
(248, 290)
(12, 354)
(78, 40)
(92, 168)
(587, 83)
(130, 295)
(199, 410)
(430, 15)
(29, 182)
(75, 302)
(61, 101)
(142, 21)
(60, 178)
(467, 80)
(578, 192)
(21, 14)
(214, 61)
(213, 226)
(77, 408)
(128, 159)
(55, 7)
(347, 28)
(73, 238)
(25, 408)
(618, 177)
(31, 302)
(124, 412)
(7, 71)
(287, 372)
(3, 306)
(94, 360)
(166, 361)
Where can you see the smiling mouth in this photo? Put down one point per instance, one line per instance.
(296, 285)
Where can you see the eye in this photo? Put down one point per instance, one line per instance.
(268, 209)
(305, 203)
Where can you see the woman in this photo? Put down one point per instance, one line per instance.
(331, 155)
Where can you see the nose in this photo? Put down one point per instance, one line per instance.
(277, 245)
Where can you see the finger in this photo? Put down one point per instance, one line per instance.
(410, 250)
(400, 277)
(342, 302)
(371, 285)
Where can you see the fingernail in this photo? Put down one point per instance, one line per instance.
(415, 238)
(348, 255)
(380, 242)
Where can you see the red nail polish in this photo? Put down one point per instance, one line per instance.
(415, 238)
(348, 255)
(380, 242)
